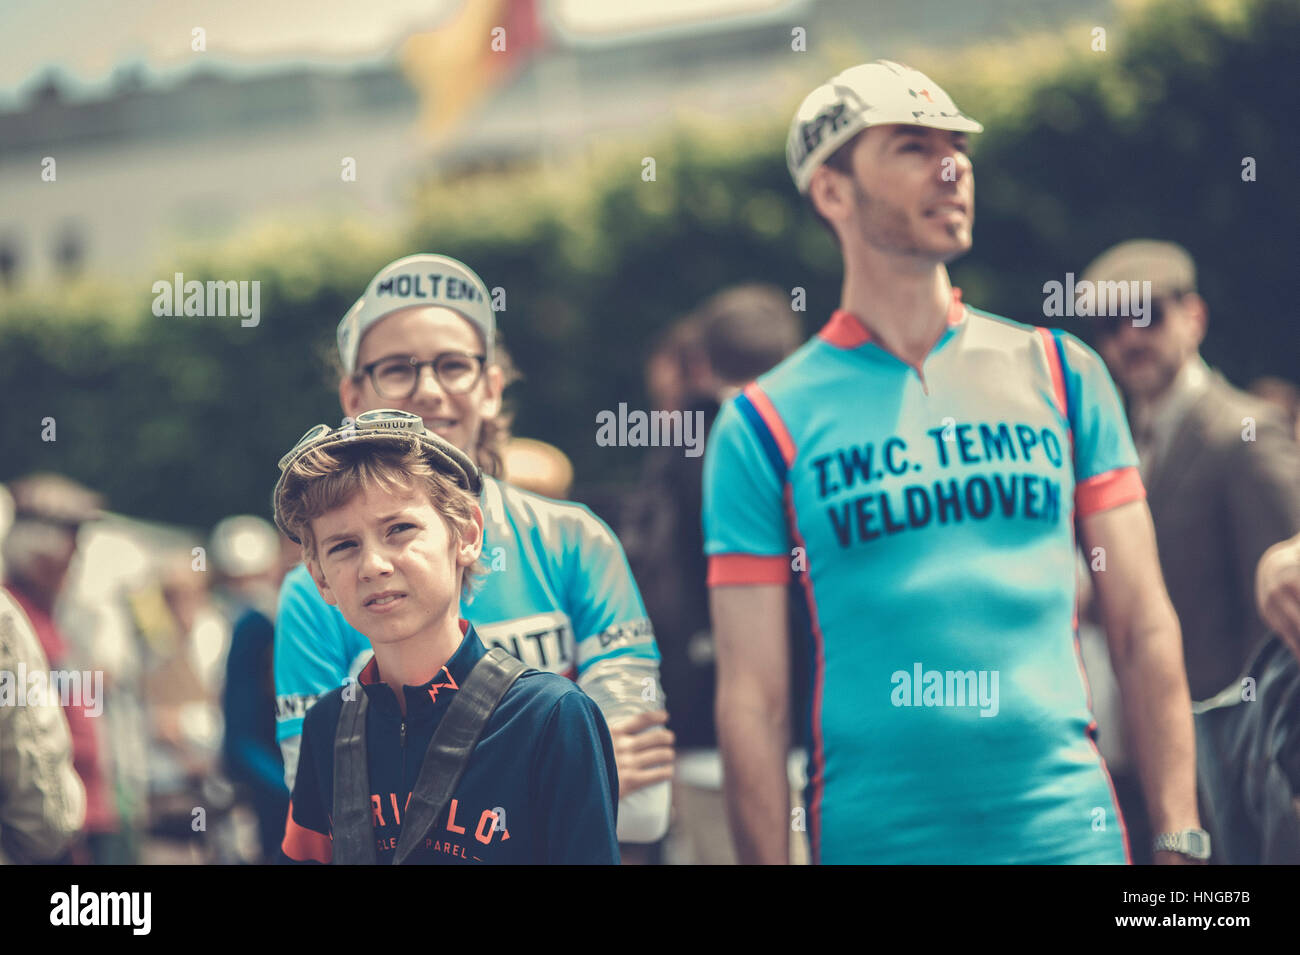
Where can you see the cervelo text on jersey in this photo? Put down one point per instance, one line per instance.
(540, 786)
(933, 532)
(563, 600)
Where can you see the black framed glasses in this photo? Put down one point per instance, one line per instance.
(398, 375)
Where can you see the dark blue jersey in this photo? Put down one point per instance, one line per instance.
(540, 787)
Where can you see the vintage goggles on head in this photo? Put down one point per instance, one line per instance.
(383, 426)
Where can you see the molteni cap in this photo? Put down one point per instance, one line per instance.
(870, 94)
(423, 279)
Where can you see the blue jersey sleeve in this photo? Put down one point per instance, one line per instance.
(745, 532)
(315, 651)
(575, 785)
(601, 596)
(1105, 460)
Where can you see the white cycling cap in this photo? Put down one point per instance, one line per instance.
(871, 94)
(422, 279)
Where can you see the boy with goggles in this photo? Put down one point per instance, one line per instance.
(519, 765)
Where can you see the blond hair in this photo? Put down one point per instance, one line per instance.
(327, 479)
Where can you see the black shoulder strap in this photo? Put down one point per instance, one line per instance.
(453, 742)
(352, 824)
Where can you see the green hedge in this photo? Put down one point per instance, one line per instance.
(182, 419)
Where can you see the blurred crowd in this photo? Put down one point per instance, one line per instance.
(174, 747)
(176, 760)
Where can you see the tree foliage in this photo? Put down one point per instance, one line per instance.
(183, 419)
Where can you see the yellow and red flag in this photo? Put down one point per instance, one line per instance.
(479, 47)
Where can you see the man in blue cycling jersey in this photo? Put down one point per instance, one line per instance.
(919, 468)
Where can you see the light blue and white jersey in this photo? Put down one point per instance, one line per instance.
(930, 521)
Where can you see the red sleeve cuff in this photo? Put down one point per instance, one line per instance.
(1109, 489)
(726, 570)
(302, 844)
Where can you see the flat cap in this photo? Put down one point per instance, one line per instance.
(1168, 267)
(55, 499)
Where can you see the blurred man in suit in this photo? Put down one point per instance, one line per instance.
(1221, 468)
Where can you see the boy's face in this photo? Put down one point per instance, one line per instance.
(390, 564)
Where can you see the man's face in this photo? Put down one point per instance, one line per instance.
(390, 564)
(46, 555)
(426, 331)
(1144, 361)
(913, 193)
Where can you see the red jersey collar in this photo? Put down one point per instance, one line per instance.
(369, 675)
(845, 330)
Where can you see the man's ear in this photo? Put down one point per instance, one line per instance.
(350, 396)
(496, 383)
(1198, 313)
(828, 193)
(471, 540)
(317, 575)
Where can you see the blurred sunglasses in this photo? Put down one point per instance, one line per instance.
(1109, 325)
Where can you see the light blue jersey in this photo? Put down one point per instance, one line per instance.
(930, 522)
(558, 595)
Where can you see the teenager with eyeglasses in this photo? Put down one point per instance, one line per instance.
(558, 595)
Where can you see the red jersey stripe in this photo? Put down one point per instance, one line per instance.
(763, 405)
(1058, 376)
(726, 570)
(1108, 489)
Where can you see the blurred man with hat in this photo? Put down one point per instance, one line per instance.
(49, 509)
(1222, 471)
(42, 802)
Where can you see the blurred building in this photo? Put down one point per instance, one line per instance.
(142, 165)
